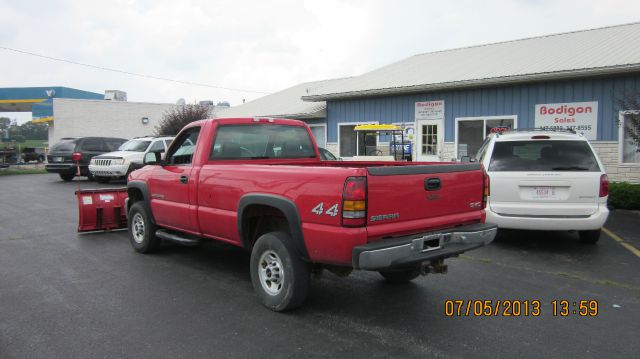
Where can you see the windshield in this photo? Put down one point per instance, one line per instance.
(261, 142)
(134, 146)
(64, 146)
(537, 155)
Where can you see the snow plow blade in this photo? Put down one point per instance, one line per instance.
(102, 209)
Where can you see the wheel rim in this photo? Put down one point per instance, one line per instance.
(271, 272)
(137, 228)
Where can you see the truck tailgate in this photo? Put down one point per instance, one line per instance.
(404, 199)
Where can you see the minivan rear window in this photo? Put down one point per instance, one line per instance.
(542, 155)
(64, 146)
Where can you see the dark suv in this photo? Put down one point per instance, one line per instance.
(66, 155)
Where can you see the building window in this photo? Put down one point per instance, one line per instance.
(629, 148)
(348, 146)
(471, 132)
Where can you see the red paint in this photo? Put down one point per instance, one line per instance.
(208, 204)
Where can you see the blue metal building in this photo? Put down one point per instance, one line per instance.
(449, 101)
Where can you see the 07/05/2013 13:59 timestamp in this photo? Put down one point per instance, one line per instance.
(518, 308)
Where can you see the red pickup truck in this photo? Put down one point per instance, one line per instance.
(259, 183)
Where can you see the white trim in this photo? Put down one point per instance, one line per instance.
(352, 124)
(484, 127)
(320, 125)
(621, 139)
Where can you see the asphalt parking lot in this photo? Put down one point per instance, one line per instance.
(64, 295)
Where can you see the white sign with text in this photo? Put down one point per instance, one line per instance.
(581, 117)
(430, 110)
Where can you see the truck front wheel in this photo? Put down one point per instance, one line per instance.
(401, 276)
(142, 232)
(279, 275)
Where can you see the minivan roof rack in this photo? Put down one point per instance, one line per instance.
(533, 129)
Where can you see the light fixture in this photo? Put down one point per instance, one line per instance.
(145, 120)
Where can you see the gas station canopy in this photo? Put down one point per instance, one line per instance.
(39, 100)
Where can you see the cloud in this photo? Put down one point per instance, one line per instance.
(259, 45)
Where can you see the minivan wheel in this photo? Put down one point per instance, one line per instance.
(67, 177)
(589, 237)
(142, 232)
(279, 276)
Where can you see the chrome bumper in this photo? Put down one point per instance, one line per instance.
(405, 251)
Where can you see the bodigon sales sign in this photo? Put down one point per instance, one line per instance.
(579, 116)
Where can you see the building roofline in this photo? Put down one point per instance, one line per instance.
(495, 81)
(112, 101)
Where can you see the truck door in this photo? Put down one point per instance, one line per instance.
(169, 187)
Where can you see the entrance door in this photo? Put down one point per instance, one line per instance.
(429, 138)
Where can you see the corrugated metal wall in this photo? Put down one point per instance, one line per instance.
(517, 100)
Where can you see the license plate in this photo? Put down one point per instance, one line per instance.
(544, 192)
(58, 159)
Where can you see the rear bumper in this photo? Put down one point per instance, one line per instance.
(551, 223)
(409, 250)
(65, 168)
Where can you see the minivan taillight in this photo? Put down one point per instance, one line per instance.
(486, 188)
(76, 156)
(604, 186)
(354, 202)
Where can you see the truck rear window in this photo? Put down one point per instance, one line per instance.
(261, 142)
(543, 155)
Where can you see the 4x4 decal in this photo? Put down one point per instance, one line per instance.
(331, 211)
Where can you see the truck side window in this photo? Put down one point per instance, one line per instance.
(182, 152)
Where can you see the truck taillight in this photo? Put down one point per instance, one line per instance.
(486, 188)
(354, 202)
(604, 186)
(76, 156)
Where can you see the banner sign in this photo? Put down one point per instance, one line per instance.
(581, 117)
(430, 110)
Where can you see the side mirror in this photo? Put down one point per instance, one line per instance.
(152, 158)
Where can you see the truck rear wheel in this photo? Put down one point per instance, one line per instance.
(401, 276)
(142, 232)
(279, 275)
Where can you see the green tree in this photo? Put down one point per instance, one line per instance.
(33, 131)
(176, 118)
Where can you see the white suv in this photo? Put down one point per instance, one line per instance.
(127, 158)
(545, 180)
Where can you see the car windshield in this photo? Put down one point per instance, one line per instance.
(135, 146)
(64, 146)
(543, 155)
(326, 155)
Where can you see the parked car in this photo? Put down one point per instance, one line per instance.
(261, 185)
(128, 157)
(545, 180)
(326, 155)
(34, 154)
(66, 156)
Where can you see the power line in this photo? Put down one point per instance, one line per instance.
(129, 73)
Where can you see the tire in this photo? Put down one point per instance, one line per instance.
(41, 159)
(401, 276)
(589, 237)
(280, 277)
(67, 177)
(142, 231)
(102, 179)
(90, 177)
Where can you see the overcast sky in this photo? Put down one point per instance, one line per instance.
(258, 45)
